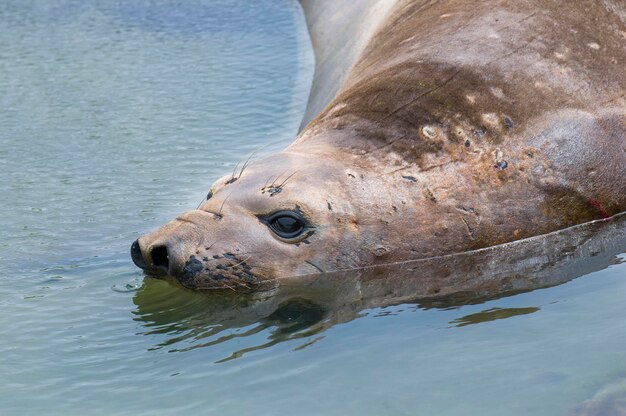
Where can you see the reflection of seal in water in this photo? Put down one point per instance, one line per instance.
(610, 401)
(308, 305)
(444, 127)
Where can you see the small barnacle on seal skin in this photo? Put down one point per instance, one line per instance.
(501, 165)
(429, 131)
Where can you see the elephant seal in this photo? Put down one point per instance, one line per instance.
(433, 127)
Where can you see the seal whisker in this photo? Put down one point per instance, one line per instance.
(245, 165)
(253, 252)
(219, 213)
(273, 185)
(208, 196)
(228, 286)
(285, 181)
(267, 181)
(240, 283)
(241, 262)
(247, 162)
(232, 176)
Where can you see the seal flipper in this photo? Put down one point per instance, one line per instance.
(339, 30)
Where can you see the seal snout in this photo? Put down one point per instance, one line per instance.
(157, 258)
(137, 256)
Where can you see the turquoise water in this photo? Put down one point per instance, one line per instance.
(116, 116)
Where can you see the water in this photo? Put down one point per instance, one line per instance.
(116, 116)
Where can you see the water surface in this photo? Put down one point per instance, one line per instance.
(114, 117)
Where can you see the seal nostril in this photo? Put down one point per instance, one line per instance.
(160, 257)
(135, 254)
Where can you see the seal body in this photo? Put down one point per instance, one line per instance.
(445, 126)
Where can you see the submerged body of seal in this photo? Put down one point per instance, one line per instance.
(446, 126)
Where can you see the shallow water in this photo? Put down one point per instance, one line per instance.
(116, 116)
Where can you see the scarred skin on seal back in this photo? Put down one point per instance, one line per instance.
(458, 125)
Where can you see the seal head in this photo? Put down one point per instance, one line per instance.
(287, 215)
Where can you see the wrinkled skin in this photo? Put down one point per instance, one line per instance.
(462, 125)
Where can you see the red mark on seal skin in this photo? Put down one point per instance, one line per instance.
(597, 205)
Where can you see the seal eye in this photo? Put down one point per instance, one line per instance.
(286, 224)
